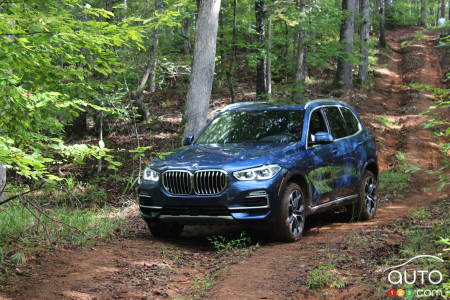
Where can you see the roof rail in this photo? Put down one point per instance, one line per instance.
(324, 101)
(239, 104)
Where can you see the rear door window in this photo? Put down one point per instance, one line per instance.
(351, 121)
(336, 122)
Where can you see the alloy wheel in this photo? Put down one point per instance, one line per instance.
(296, 213)
(370, 188)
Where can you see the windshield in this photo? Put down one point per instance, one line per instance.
(254, 126)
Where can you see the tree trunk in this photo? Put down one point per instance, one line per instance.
(356, 23)
(230, 72)
(285, 52)
(185, 33)
(261, 66)
(202, 75)
(382, 39)
(150, 70)
(2, 180)
(442, 15)
(269, 60)
(345, 66)
(364, 34)
(78, 129)
(423, 12)
(300, 59)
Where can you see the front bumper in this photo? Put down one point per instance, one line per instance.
(241, 201)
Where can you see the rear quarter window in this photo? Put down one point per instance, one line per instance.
(336, 121)
(350, 120)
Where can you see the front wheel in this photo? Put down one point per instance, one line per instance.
(290, 221)
(165, 230)
(367, 204)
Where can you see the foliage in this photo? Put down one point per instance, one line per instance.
(222, 243)
(21, 229)
(55, 57)
(405, 12)
(383, 120)
(421, 213)
(395, 181)
(429, 235)
(201, 285)
(325, 275)
(441, 126)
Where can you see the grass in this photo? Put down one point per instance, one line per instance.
(25, 229)
(201, 285)
(383, 120)
(429, 234)
(241, 245)
(421, 214)
(228, 250)
(75, 193)
(325, 275)
(395, 181)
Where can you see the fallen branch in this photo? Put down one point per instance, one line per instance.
(21, 194)
(51, 218)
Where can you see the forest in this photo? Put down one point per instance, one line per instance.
(92, 90)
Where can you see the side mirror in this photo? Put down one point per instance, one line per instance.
(188, 140)
(322, 137)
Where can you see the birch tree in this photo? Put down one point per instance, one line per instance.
(203, 65)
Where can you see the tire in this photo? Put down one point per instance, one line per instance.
(290, 218)
(165, 230)
(366, 207)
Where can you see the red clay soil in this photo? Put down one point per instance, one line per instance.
(141, 267)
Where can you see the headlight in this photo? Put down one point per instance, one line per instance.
(151, 175)
(260, 173)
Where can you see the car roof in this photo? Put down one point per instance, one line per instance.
(286, 105)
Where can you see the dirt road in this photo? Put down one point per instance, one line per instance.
(141, 267)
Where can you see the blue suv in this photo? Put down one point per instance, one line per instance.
(265, 164)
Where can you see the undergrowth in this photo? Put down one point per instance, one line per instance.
(395, 180)
(325, 275)
(42, 220)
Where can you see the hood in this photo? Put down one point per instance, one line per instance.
(230, 156)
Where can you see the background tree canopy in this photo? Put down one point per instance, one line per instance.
(63, 63)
